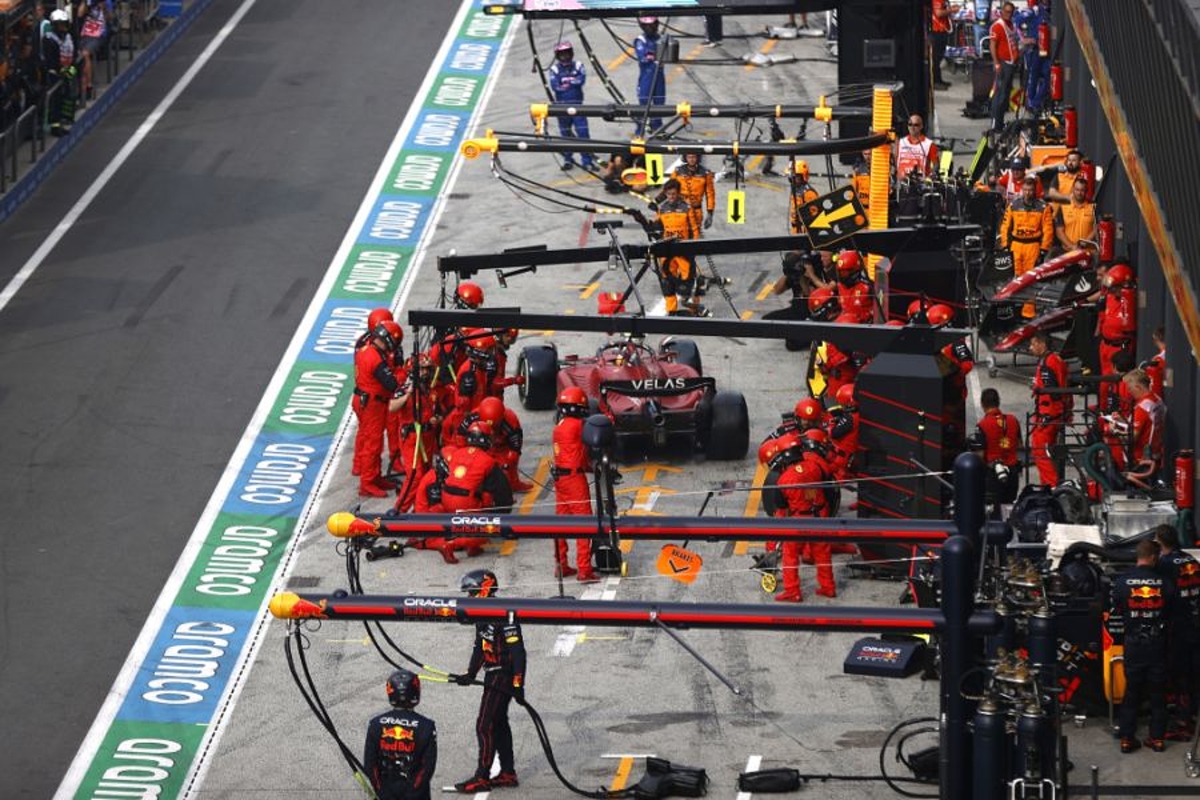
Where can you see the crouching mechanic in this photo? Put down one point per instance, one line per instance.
(500, 653)
(401, 750)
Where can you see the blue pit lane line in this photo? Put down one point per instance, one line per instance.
(164, 714)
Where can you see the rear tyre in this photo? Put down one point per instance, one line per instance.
(539, 366)
(729, 434)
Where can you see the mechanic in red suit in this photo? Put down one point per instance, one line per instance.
(571, 469)
(804, 497)
(1050, 410)
(1117, 326)
(1001, 440)
(428, 500)
(839, 367)
(376, 316)
(374, 386)
(419, 411)
(475, 481)
(1149, 424)
(504, 340)
(475, 377)
(508, 437)
(856, 293)
(841, 426)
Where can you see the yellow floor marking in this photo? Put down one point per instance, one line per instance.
(766, 48)
(589, 290)
(587, 637)
(622, 776)
(618, 61)
(540, 476)
(765, 291)
(650, 470)
(762, 185)
(753, 498)
(753, 162)
(747, 314)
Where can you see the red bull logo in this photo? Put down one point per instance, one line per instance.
(1145, 592)
(396, 733)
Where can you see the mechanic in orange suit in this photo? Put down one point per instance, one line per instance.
(1027, 229)
(571, 469)
(697, 190)
(802, 193)
(676, 275)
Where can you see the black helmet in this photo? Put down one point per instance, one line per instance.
(404, 689)
(976, 440)
(479, 583)
(479, 435)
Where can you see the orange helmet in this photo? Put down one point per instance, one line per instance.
(809, 409)
(845, 395)
(939, 315)
(468, 295)
(491, 409)
(848, 262)
(823, 304)
(1118, 275)
(390, 334)
(377, 316)
(799, 169)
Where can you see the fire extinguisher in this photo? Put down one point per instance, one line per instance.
(1043, 40)
(1108, 238)
(1185, 480)
(1071, 126)
(1089, 171)
(1056, 81)
(1185, 494)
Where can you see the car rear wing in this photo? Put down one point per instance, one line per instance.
(658, 387)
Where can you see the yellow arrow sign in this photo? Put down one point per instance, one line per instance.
(654, 168)
(827, 218)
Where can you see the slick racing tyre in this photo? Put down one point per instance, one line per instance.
(539, 367)
(728, 436)
(683, 351)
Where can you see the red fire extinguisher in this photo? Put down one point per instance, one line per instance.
(1043, 40)
(1185, 480)
(1071, 126)
(1089, 171)
(1108, 238)
(1056, 81)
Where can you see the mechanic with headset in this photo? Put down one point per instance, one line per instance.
(400, 754)
(571, 469)
(500, 653)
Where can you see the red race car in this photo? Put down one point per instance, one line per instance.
(651, 396)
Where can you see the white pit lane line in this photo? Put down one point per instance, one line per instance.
(572, 635)
(752, 765)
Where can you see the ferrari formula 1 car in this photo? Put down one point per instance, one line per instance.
(651, 396)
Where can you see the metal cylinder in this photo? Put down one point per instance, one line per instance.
(1185, 479)
(1056, 82)
(991, 774)
(1071, 126)
(1088, 168)
(1032, 729)
(1108, 238)
(1043, 40)
(969, 506)
(1043, 646)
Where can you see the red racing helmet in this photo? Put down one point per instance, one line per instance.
(845, 395)
(491, 410)
(823, 304)
(939, 315)
(479, 435)
(468, 295)
(809, 409)
(377, 316)
(1119, 275)
(390, 334)
(848, 262)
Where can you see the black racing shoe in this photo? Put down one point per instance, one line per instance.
(473, 785)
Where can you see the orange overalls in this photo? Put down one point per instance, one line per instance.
(697, 190)
(676, 275)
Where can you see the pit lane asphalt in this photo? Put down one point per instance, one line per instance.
(134, 357)
(617, 691)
